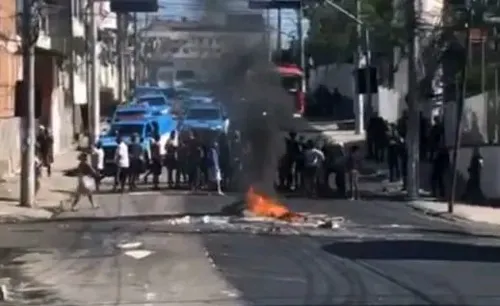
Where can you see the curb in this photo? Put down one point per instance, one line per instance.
(15, 219)
(441, 215)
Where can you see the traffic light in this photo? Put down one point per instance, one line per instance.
(361, 79)
(134, 6)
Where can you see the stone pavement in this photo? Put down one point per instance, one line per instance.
(53, 191)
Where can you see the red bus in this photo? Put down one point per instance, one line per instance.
(291, 79)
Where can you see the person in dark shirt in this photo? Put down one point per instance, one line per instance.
(136, 153)
(45, 143)
(440, 166)
(353, 167)
(194, 150)
(393, 153)
(236, 163)
(156, 160)
(224, 160)
(293, 152)
(473, 191)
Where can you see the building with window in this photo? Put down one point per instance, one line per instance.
(179, 50)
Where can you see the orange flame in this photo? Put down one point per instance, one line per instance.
(264, 206)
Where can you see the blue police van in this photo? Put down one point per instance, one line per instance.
(157, 103)
(127, 112)
(206, 116)
(138, 120)
(167, 92)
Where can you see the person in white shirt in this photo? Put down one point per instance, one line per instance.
(314, 159)
(122, 162)
(98, 163)
(171, 159)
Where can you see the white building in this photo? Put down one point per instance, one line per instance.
(191, 49)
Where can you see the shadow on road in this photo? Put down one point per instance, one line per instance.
(414, 250)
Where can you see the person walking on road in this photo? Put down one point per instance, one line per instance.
(393, 153)
(45, 143)
(353, 167)
(86, 182)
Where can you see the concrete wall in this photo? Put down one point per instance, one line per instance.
(9, 60)
(388, 103)
(11, 145)
(479, 122)
(490, 178)
(474, 121)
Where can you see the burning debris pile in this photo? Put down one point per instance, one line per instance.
(263, 206)
(260, 207)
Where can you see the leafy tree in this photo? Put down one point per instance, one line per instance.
(332, 36)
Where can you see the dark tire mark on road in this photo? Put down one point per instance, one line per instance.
(357, 290)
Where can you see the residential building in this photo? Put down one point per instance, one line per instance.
(196, 49)
(10, 67)
(107, 64)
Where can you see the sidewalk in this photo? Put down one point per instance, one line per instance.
(53, 191)
(468, 212)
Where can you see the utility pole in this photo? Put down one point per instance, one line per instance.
(278, 37)
(460, 110)
(76, 108)
(95, 105)
(413, 124)
(27, 198)
(268, 36)
(300, 32)
(359, 105)
(362, 30)
(126, 55)
(136, 51)
(119, 53)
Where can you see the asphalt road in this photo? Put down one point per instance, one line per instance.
(173, 248)
(136, 250)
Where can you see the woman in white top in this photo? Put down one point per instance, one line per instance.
(86, 182)
(98, 163)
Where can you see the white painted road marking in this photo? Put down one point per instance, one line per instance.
(138, 254)
(129, 245)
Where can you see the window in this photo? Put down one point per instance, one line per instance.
(130, 115)
(140, 92)
(149, 130)
(203, 114)
(154, 101)
(184, 74)
(166, 76)
(185, 50)
(169, 93)
(291, 84)
(126, 130)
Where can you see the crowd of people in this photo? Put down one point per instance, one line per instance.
(219, 162)
(386, 143)
(307, 165)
